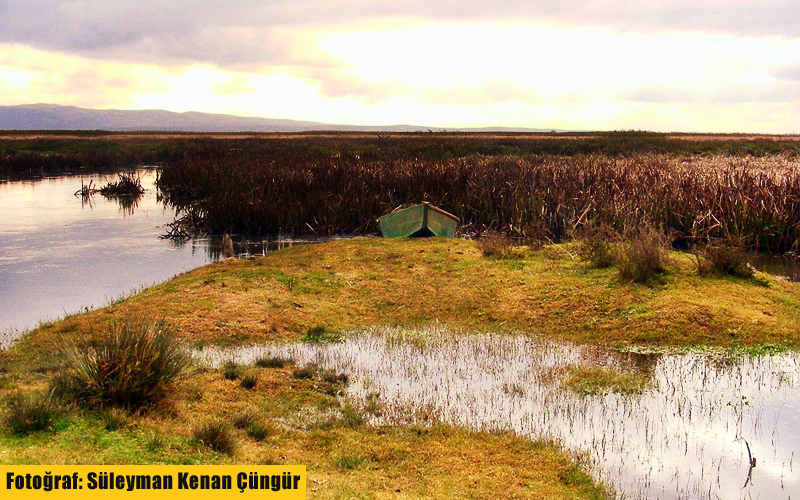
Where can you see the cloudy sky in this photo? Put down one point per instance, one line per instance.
(663, 65)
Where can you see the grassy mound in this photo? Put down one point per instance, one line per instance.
(547, 291)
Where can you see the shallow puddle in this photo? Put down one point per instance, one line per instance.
(693, 433)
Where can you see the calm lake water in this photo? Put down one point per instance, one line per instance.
(61, 254)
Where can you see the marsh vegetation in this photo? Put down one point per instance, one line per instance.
(655, 425)
(572, 320)
(689, 199)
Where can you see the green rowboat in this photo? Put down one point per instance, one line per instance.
(420, 220)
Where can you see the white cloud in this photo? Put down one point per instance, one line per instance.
(590, 64)
(252, 32)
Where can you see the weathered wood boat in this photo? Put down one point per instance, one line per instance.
(419, 220)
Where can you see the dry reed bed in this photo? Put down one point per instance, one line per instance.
(755, 199)
(686, 436)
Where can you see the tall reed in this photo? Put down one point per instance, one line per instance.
(274, 189)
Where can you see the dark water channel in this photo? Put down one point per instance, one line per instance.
(61, 254)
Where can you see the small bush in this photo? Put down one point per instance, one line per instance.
(249, 381)
(273, 362)
(216, 435)
(231, 371)
(27, 413)
(642, 258)
(131, 366)
(596, 245)
(725, 257)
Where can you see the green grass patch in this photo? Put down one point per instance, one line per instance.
(594, 380)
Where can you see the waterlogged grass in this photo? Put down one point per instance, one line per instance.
(644, 420)
(286, 420)
(592, 380)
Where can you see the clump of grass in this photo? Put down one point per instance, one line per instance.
(642, 257)
(333, 377)
(26, 413)
(115, 418)
(253, 425)
(321, 333)
(231, 370)
(326, 375)
(133, 365)
(244, 419)
(155, 442)
(495, 246)
(194, 394)
(305, 372)
(724, 256)
(127, 184)
(217, 435)
(272, 362)
(591, 380)
(259, 430)
(249, 381)
(352, 416)
(597, 245)
(333, 381)
(351, 462)
(86, 190)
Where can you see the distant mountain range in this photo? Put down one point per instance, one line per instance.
(55, 117)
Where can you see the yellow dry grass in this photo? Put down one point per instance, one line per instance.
(356, 283)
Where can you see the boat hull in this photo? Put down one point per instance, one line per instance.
(417, 221)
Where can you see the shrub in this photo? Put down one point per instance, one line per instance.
(596, 246)
(27, 413)
(726, 257)
(131, 366)
(216, 435)
(642, 258)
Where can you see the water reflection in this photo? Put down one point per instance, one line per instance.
(690, 435)
(61, 254)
